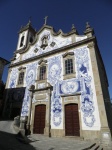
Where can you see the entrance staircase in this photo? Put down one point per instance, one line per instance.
(94, 146)
(8, 126)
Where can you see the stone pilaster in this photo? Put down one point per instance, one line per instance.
(48, 125)
(99, 93)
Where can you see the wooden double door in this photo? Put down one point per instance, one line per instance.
(39, 120)
(72, 127)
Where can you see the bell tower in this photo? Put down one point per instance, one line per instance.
(26, 36)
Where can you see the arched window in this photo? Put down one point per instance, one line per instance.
(22, 40)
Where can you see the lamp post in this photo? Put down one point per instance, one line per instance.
(31, 89)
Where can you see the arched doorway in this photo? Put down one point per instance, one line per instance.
(39, 120)
(72, 127)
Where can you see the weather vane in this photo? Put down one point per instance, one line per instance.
(45, 20)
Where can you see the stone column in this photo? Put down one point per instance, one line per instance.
(48, 121)
(30, 108)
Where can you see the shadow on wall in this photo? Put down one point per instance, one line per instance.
(13, 99)
(11, 141)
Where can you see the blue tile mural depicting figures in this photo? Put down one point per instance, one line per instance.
(82, 84)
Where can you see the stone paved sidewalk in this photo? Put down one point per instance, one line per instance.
(10, 141)
(55, 143)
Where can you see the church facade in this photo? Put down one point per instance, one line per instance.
(64, 83)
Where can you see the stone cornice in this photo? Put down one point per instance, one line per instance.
(45, 88)
(27, 27)
(61, 49)
(75, 94)
(5, 62)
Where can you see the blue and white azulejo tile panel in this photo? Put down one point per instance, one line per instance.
(30, 80)
(70, 86)
(83, 84)
(13, 78)
(89, 108)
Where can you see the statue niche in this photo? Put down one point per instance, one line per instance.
(44, 41)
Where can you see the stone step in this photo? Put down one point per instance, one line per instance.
(89, 146)
(97, 147)
(94, 146)
(75, 137)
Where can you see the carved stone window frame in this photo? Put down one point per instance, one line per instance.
(42, 63)
(21, 69)
(66, 56)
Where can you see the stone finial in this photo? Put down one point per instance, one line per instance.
(87, 25)
(73, 27)
(89, 31)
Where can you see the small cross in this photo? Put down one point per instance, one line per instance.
(45, 20)
(29, 22)
(30, 19)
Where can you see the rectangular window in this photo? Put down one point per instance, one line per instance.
(21, 78)
(42, 73)
(68, 66)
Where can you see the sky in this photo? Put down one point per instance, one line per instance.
(61, 15)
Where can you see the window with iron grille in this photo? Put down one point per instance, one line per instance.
(21, 78)
(42, 73)
(68, 66)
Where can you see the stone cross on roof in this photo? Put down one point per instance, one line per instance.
(45, 20)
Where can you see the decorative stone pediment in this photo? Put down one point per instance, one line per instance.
(21, 68)
(42, 62)
(46, 41)
(68, 54)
